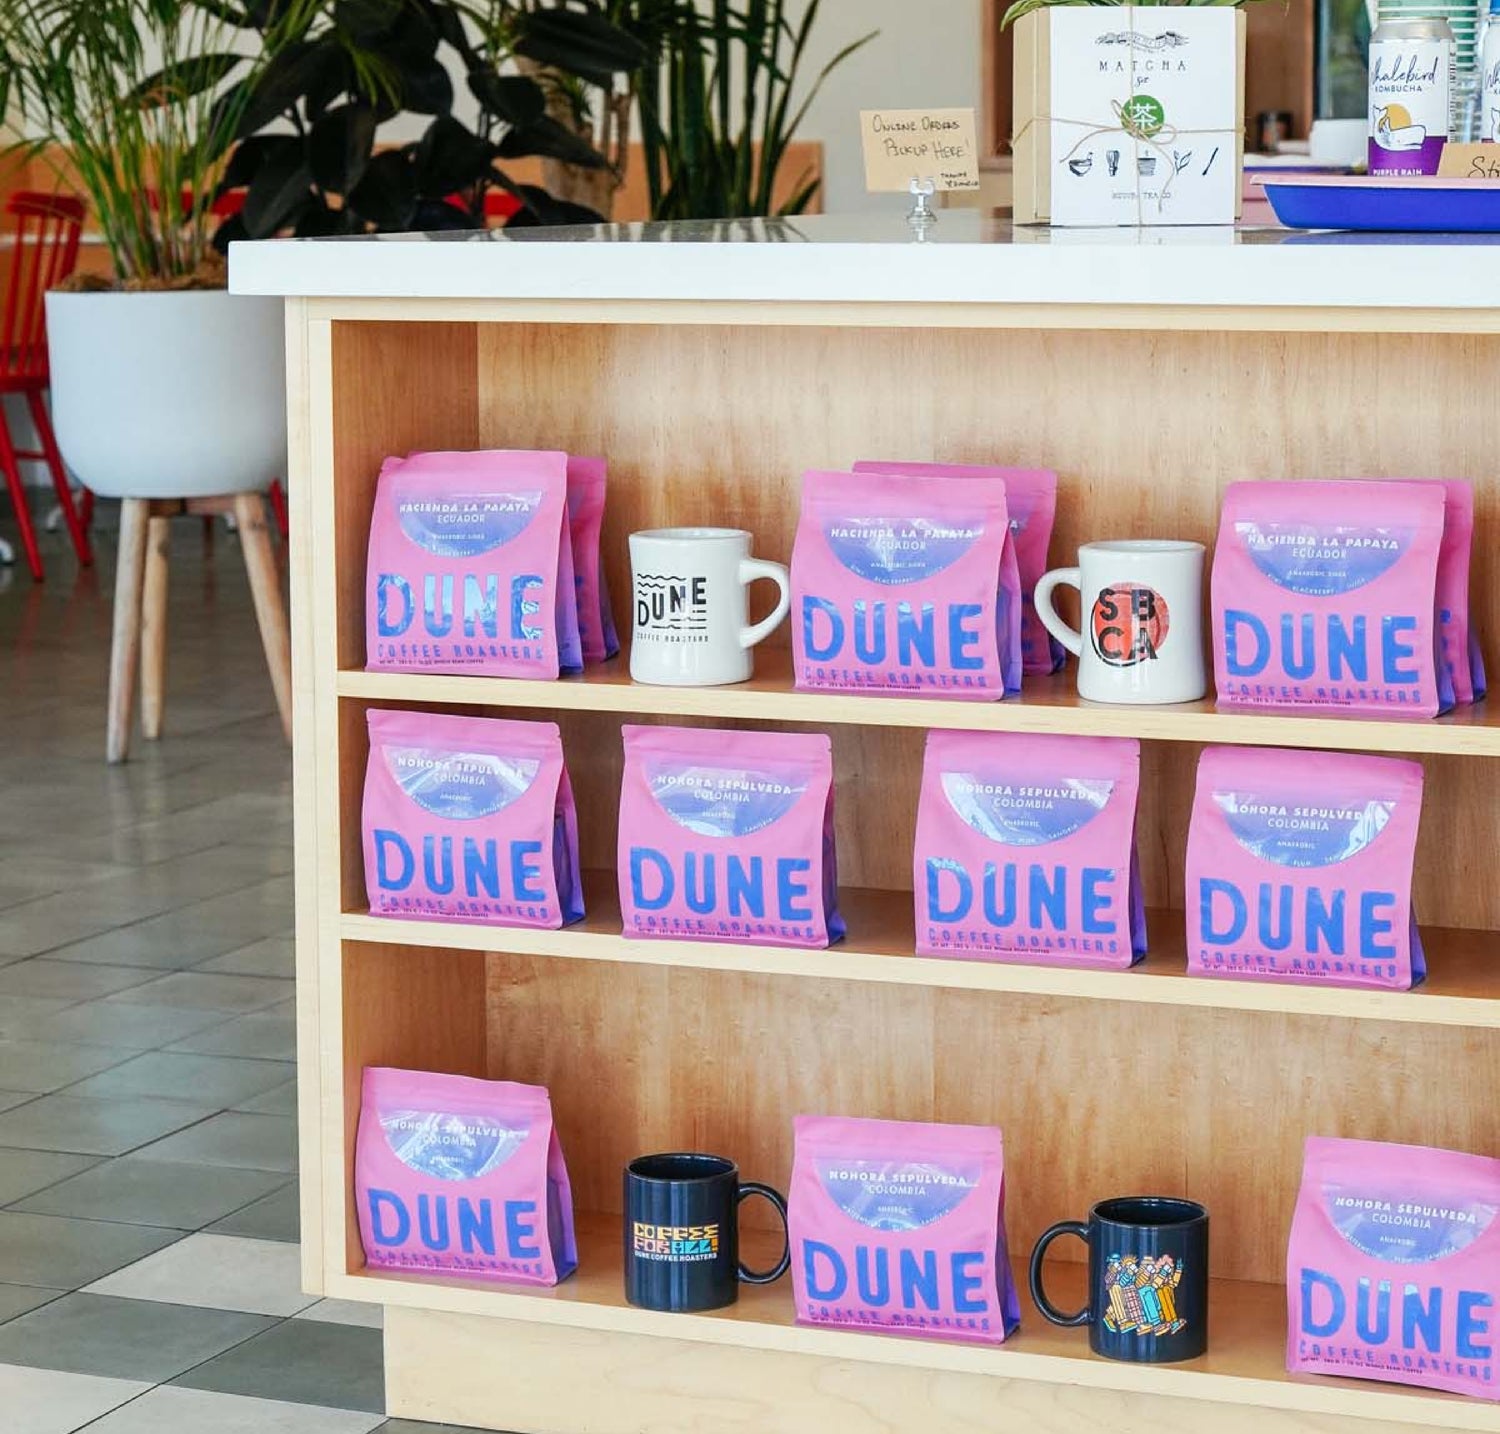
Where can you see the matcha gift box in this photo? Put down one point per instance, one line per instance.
(1128, 114)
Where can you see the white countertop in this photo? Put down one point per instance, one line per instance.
(966, 257)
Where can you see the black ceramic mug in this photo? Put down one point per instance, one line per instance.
(682, 1232)
(1148, 1278)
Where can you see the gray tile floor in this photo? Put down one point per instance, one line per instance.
(148, 1201)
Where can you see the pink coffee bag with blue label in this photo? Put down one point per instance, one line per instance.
(901, 585)
(899, 1227)
(596, 622)
(469, 819)
(470, 566)
(1031, 500)
(1458, 643)
(1325, 595)
(1299, 867)
(1393, 1269)
(463, 1177)
(1025, 849)
(728, 836)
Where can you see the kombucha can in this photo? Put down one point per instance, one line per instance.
(1411, 95)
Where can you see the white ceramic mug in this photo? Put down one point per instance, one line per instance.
(691, 606)
(1142, 602)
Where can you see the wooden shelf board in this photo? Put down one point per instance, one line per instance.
(1463, 988)
(1245, 1364)
(1049, 704)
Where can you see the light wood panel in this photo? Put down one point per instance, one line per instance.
(1463, 988)
(1048, 704)
(1095, 1099)
(392, 394)
(407, 1007)
(1199, 1087)
(580, 1339)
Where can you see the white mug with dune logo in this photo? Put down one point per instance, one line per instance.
(691, 606)
(1142, 605)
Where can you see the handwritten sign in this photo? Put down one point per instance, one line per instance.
(903, 145)
(1470, 161)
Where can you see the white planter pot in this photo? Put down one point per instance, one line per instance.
(179, 395)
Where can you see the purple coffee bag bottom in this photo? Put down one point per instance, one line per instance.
(1321, 970)
(1476, 667)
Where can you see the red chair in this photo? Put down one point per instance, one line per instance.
(45, 252)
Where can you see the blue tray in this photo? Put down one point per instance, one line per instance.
(1368, 202)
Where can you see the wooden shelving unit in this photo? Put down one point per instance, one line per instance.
(1103, 1083)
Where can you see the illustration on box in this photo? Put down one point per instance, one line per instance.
(1129, 115)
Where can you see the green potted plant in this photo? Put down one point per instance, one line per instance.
(308, 152)
(715, 100)
(161, 382)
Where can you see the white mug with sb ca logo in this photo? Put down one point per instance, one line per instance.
(691, 605)
(1142, 607)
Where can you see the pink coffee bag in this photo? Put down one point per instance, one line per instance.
(728, 836)
(1394, 1266)
(899, 1227)
(1026, 849)
(470, 566)
(469, 819)
(1458, 644)
(901, 585)
(1299, 867)
(463, 1177)
(596, 622)
(1031, 500)
(1324, 595)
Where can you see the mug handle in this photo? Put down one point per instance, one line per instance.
(750, 570)
(749, 1276)
(1058, 577)
(1063, 1227)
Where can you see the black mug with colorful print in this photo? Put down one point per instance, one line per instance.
(1148, 1278)
(682, 1232)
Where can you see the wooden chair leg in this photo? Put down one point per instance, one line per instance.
(154, 628)
(77, 529)
(265, 588)
(124, 652)
(11, 468)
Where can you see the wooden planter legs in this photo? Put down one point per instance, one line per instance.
(140, 619)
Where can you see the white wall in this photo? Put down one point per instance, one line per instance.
(926, 55)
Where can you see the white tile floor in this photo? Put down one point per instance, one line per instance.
(149, 1277)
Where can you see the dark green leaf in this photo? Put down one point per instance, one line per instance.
(281, 186)
(339, 147)
(579, 42)
(329, 83)
(286, 78)
(250, 154)
(553, 141)
(386, 197)
(514, 98)
(433, 215)
(450, 158)
(318, 221)
(231, 230)
(426, 88)
(540, 208)
(182, 80)
(366, 21)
